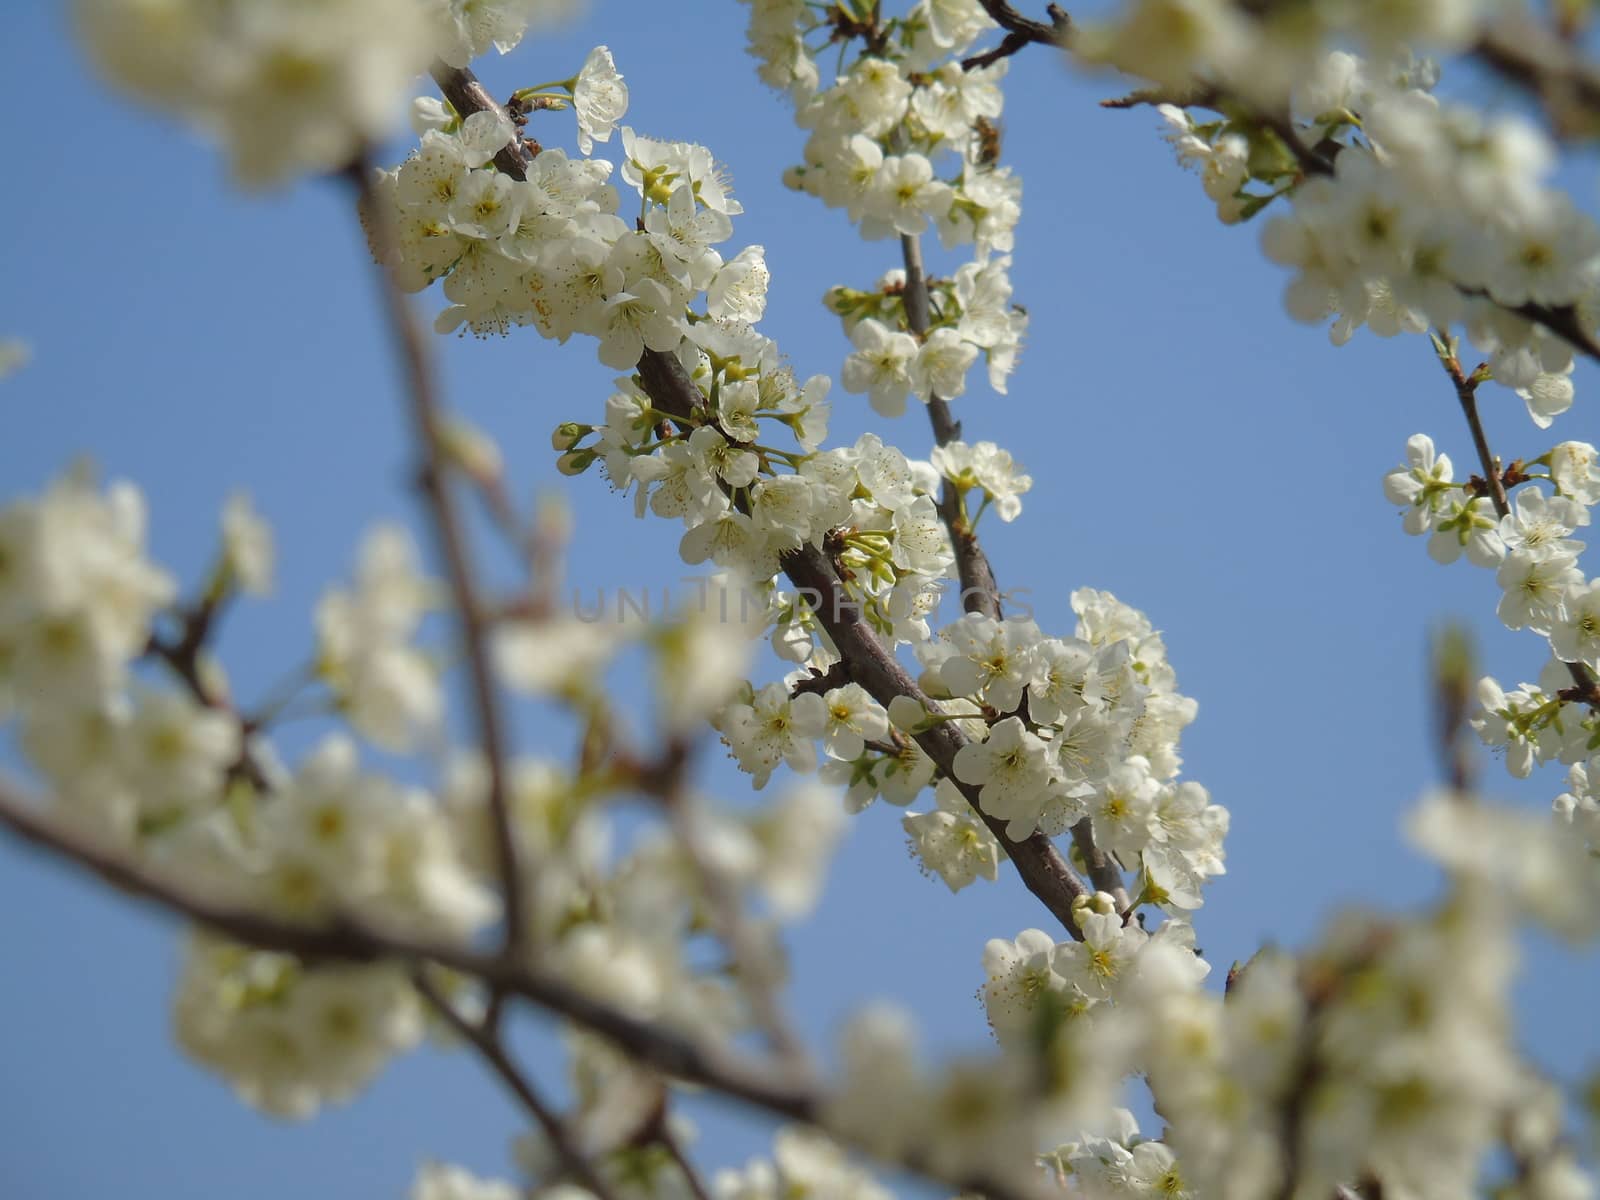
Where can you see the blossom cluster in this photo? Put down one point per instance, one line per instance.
(1383, 1055)
(187, 781)
(875, 137)
(1437, 216)
(1092, 734)
(1265, 54)
(1535, 559)
(292, 86)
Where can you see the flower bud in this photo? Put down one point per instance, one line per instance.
(907, 714)
(575, 462)
(568, 434)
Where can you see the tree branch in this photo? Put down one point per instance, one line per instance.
(182, 658)
(347, 939)
(427, 419)
(1020, 31)
(1044, 871)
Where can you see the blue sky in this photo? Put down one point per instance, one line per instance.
(1193, 451)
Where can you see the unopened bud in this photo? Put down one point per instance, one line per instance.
(907, 714)
(568, 434)
(575, 462)
(470, 449)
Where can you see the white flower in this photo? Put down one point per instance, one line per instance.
(247, 545)
(854, 718)
(940, 367)
(1421, 485)
(386, 685)
(1535, 585)
(630, 321)
(287, 1037)
(1012, 766)
(903, 196)
(1540, 525)
(177, 754)
(951, 841)
(797, 836)
(77, 595)
(1467, 524)
(1575, 634)
(738, 291)
(773, 729)
(288, 87)
(556, 656)
(1575, 467)
(469, 28)
(443, 1181)
(599, 97)
(805, 1163)
(986, 466)
(1548, 396)
(1021, 974)
(880, 366)
(989, 660)
(1095, 965)
(699, 661)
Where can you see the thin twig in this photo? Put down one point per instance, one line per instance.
(492, 1048)
(427, 418)
(674, 1148)
(1020, 31)
(182, 658)
(669, 785)
(979, 591)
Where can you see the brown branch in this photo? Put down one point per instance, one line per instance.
(1467, 396)
(1043, 870)
(427, 419)
(491, 1047)
(346, 939)
(1020, 31)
